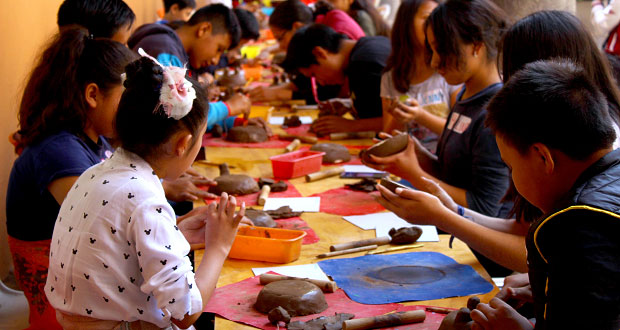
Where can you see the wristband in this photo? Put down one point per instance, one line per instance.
(460, 210)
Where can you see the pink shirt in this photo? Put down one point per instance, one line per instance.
(341, 22)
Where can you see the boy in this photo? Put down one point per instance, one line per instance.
(103, 19)
(198, 43)
(177, 10)
(554, 131)
(320, 52)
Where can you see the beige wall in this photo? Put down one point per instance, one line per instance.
(26, 26)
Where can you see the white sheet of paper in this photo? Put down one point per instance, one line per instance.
(280, 120)
(298, 204)
(384, 221)
(360, 169)
(312, 271)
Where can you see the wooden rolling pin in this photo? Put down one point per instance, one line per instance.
(264, 194)
(350, 245)
(292, 146)
(304, 139)
(352, 135)
(326, 286)
(383, 321)
(324, 174)
(341, 252)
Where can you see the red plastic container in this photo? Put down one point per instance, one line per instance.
(297, 163)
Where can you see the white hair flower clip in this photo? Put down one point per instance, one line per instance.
(177, 94)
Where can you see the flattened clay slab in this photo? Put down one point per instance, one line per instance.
(247, 134)
(334, 153)
(297, 297)
(260, 218)
(283, 212)
(387, 147)
(322, 323)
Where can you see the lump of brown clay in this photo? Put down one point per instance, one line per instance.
(233, 184)
(247, 134)
(278, 314)
(387, 147)
(405, 235)
(275, 186)
(232, 79)
(297, 297)
(334, 153)
(461, 319)
(217, 131)
(283, 212)
(292, 121)
(260, 218)
(366, 185)
(322, 323)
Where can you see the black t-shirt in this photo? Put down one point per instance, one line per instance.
(366, 64)
(468, 155)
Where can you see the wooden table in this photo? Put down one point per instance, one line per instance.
(331, 229)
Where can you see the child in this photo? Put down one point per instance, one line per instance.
(286, 18)
(366, 15)
(408, 77)
(562, 162)
(117, 257)
(320, 52)
(67, 108)
(103, 19)
(177, 10)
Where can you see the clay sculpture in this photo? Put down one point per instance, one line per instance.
(292, 121)
(232, 79)
(334, 153)
(297, 297)
(247, 134)
(385, 148)
(233, 184)
(260, 218)
(460, 319)
(405, 235)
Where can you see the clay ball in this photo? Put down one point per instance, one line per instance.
(334, 153)
(247, 134)
(387, 147)
(297, 297)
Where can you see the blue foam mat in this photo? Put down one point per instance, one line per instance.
(382, 279)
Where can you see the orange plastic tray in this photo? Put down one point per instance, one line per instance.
(297, 163)
(267, 244)
(253, 72)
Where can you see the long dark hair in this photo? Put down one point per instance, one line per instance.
(402, 61)
(463, 22)
(547, 35)
(53, 99)
(288, 12)
(141, 128)
(380, 25)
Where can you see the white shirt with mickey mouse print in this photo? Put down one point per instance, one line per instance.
(116, 252)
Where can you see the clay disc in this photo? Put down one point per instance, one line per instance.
(334, 153)
(386, 147)
(260, 218)
(297, 297)
(234, 184)
(247, 134)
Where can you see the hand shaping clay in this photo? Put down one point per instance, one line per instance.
(283, 212)
(334, 153)
(233, 184)
(260, 218)
(322, 323)
(405, 235)
(297, 297)
(387, 147)
(247, 134)
(232, 79)
(461, 319)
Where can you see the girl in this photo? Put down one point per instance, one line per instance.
(409, 77)
(286, 18)
(117, 257)
(366, 15)
(67, 108)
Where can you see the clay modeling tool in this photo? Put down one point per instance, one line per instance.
(400, 248)
(350, 245)
(264, 194)
(386, 320)
(304, 139)
(326, 286)
(305, 107)
(341, 252)
(292, 146)
(352, 135)
(324, 174)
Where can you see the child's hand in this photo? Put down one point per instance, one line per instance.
(185, 188)
(498, 315)
(239, 104)
(258, 121)
(406, 112)
(516, 291)
(221, 224)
